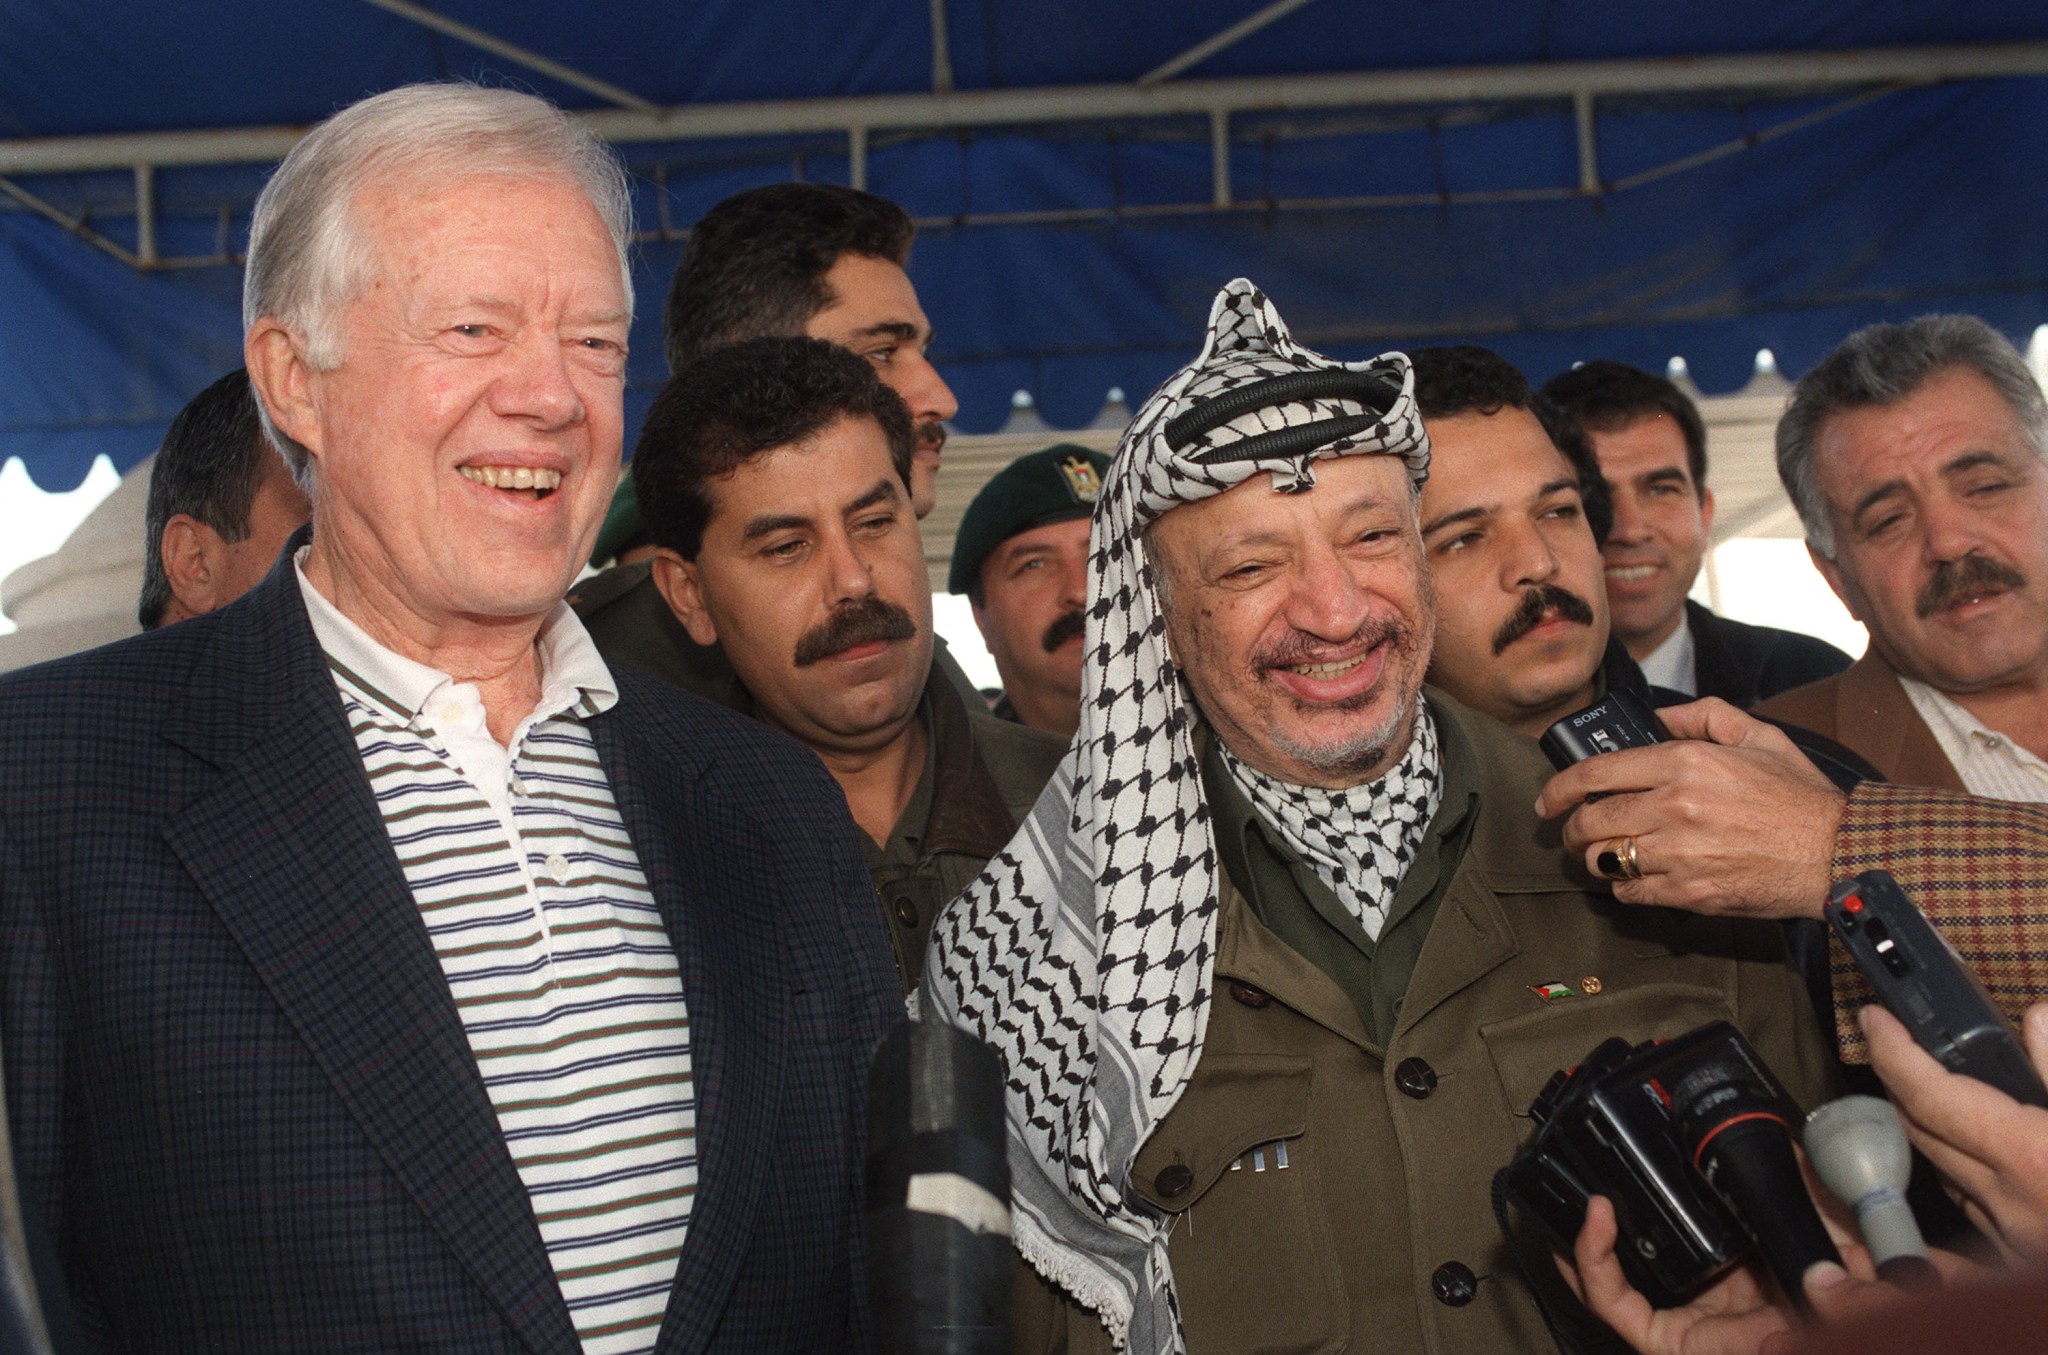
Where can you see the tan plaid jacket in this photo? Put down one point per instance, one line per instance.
(1978, 869)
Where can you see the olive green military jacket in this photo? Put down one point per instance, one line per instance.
(981, 777)
(1328, 1170)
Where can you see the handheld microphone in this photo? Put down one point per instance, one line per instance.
(1734, 1127)
(1858, 1149)
(938, 1194)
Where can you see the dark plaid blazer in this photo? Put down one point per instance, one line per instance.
(241, 1095)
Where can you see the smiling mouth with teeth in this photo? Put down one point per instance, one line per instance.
(539, 479)
(1630, 572)
(1326, 670)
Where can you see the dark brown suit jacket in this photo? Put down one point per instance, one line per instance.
(1866, 710)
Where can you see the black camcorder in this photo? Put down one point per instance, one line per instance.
(1691, 1138)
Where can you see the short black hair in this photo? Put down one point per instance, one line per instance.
(738, 402)
(210, 466)
(756, 264)
(1603, 395)
(1467, 379)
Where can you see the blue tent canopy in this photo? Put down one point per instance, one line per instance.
(1071, 240)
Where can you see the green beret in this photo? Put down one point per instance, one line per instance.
(622, 528)
(1035, 490)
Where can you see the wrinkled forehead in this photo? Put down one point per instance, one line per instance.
(1260, 509)
(408, 226)
(1475, 456)
(1255, 417)
(1952, 419)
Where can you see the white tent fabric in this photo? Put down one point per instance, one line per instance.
(85, 593)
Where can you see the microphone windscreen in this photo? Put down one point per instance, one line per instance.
(1859, 1150)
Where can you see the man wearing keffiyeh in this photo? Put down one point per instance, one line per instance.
(1262, 807)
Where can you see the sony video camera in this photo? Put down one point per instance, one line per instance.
(1691, 1138)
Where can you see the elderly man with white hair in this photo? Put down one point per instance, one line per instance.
(382, 971)
(1283, 955)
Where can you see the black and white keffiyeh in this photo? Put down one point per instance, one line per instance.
(1361, 840)
(1084, 952)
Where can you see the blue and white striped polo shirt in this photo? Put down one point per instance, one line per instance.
(554, 951)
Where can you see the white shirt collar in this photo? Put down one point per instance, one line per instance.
(1670, 664)
(572, 672)
(1949, 721)
(1988, 762)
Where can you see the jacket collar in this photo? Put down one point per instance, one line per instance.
(1888, 731)
(1619, 672)
(572, 675)
(260, 664)
(968, 814)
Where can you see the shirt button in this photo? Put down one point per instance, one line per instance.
(906, 912)
(1454, 1283)
(1173, 1181)
(558, 868)
(1248, 995)
(1415, 1078)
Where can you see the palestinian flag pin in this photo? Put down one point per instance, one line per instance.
(1551, 991)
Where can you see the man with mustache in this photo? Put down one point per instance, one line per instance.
(1021, 557)
(1282, 956)
(1511, 519)
(776, 477)
(784, 259)
(1914, 455)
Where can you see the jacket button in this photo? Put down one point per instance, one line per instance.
(1415, 1078)
(1248, 995)
(1173, 1181)
(1454, 1283)
(906, 912)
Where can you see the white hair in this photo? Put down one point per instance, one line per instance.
(308, 256)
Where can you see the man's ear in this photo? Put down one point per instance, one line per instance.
(1832, 572)
(282, 379)
(187, 550)
(681, 588)
(1707, 512)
